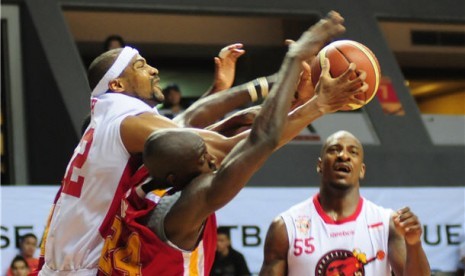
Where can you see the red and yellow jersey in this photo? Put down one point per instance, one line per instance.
(133, 249)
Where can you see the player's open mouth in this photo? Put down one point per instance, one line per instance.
(342, 168)
(155, 82)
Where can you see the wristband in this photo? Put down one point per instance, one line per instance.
(252, 92)
(263, 87)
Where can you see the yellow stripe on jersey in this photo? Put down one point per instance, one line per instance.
(160, 193)
(44, 236)
(194, 262)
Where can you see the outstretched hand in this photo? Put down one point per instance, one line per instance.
(311, 41)
(335, 93)
(408, 225)
(225, 66)
(305, 90)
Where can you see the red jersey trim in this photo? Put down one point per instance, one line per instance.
(328, 220)
(125, 184)
(375, 225)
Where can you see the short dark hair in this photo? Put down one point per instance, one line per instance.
(100, 65)
(28, 235)
(109, 39)
(224, 230)
(18, 258)
(171, 87)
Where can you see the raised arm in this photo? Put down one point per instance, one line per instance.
(237, 122)
(208, 110)
(136, 129)
(209, 192)
(331, 95)
(225, 68)
(205, 112)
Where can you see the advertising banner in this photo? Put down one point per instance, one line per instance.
(441, 211)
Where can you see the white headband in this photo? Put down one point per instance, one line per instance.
(115, 70)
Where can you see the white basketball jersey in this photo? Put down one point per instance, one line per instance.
(356, 245)
(94, 177)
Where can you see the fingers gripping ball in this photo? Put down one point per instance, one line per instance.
(340, 54)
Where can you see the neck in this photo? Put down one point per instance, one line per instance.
(224, 252)
(337, 204)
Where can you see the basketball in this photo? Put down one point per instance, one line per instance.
(340, 54)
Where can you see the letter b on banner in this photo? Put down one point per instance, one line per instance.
(251, 235)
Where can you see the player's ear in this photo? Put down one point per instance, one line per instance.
(362, 171)
(318, 165)
(116, 85)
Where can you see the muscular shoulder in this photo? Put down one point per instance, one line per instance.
(277, 240)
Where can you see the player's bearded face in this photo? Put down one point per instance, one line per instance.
(157, 93)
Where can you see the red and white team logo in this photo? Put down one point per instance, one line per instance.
(345, 263)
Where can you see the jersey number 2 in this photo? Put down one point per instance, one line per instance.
(73, 181)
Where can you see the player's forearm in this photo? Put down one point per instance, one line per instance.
(208, 110)
(299, 119)
(247, 157)
(273, 115)
(416, 263)
(232, 124)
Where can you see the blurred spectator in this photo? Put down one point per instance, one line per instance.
(112, 42)
(27, 248)
(172, 105)
(228, 262)
(18, 267)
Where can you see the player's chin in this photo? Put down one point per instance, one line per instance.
(157, 96)
(341, 184)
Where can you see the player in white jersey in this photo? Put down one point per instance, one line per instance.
(338, 232)
(321, 244)
(125, 91)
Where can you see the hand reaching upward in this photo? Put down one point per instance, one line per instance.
(225, 66)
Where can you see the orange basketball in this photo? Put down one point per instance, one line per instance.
(340, 54)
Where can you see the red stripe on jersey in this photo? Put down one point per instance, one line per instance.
(374, 225)
(329, 220)
(123, 186)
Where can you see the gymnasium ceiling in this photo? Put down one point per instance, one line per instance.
(433, 70)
